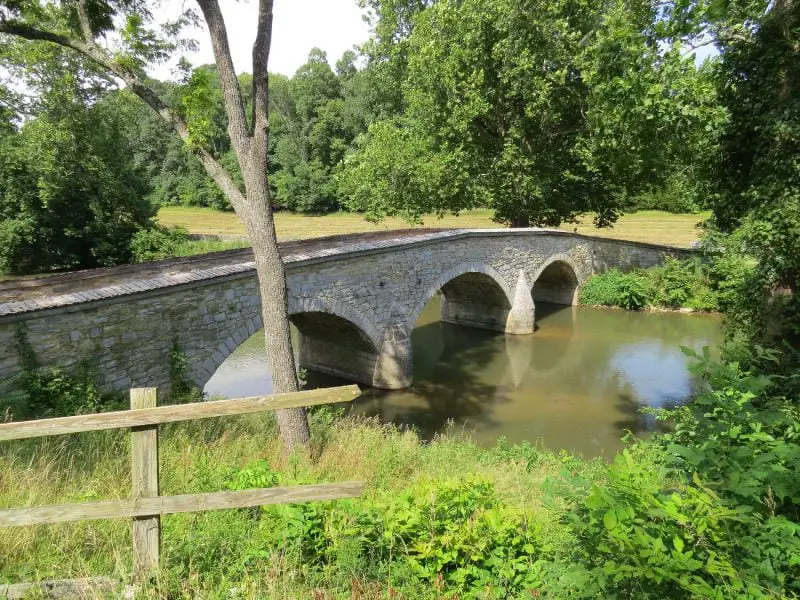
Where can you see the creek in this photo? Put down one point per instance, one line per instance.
(578, 383)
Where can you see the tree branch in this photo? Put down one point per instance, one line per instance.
(138, 87)
(260, 73)
(232, 94)
(13, 27)
(693, 47)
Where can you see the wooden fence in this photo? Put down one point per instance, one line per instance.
(146, 505)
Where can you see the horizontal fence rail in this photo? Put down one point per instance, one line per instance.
(146, 505)
(173, 413)
(168, 505)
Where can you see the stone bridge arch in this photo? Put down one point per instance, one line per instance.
(473, 294)
(335, 338)
(340, 310)
(558, 280)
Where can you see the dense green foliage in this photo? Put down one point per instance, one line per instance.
(540, 110)
(71, 193)
(453, 534)
(58, 392)
(581, 108)
(314, 117)
(713, 516)
(758, 208)
(158, 243)
(677, 284)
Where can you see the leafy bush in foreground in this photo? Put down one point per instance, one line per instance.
(456, 534)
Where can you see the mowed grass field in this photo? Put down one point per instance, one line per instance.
(646, 226)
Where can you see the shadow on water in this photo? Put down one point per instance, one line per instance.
(450, 364)
(578, 383)
(633, 420)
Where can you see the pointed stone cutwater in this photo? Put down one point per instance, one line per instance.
(520, 319)
(393, 369)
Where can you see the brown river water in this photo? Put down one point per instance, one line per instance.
(578, 383)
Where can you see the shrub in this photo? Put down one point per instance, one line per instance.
(453, 534)
(57, 392)
(157, 243)
(708, 510)
(42, 393)
(675, 284)
(677, 195)
(633, 292)
(615, 288)
(683, 283)
(71, 193)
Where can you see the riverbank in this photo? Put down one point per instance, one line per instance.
(678, 285)
(282, 551)
(441, 520)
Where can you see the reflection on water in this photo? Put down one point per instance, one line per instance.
(577, 383)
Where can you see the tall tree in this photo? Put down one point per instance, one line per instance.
(538, 109)
(83, 25)
(392, 22)
(758, 168)
(316, 115)
(71, 193)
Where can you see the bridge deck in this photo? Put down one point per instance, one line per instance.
(78, 281)
(67, 289)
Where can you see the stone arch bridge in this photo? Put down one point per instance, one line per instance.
(354, 300)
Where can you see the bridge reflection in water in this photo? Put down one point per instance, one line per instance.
(578, 383)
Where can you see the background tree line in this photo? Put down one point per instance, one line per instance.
(86, 166)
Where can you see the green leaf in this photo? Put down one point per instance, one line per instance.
(610, 519)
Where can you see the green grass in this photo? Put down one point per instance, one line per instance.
(193, 247)
(646, 226)
(209, 554)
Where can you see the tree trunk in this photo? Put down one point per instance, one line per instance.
(260, 225)
(520, 221)
(251, 147)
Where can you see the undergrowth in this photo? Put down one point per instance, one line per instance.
(709, 510)
(447, 514)
(676, 284)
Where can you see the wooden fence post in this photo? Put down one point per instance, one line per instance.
(144, 469)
